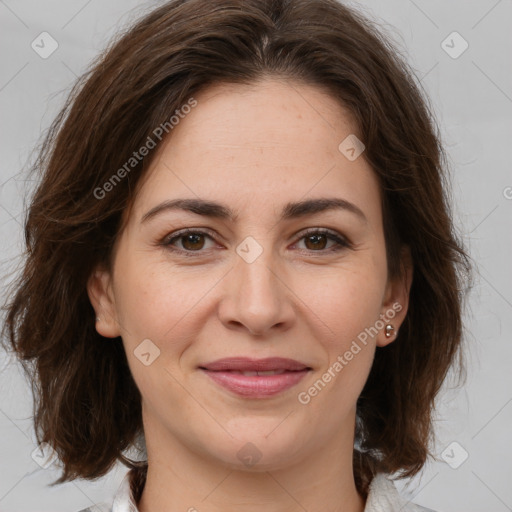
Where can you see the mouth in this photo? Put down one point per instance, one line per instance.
(246, 364)
(256, 378)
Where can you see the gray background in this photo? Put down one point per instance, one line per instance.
(472, 99)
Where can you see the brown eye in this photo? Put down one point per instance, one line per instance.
(316, 241)
(193, 241)
(190, 241)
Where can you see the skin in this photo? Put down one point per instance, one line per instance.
(298, 299)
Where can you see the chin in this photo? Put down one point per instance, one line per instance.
(259, 450)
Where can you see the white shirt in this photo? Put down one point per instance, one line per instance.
(383, 496)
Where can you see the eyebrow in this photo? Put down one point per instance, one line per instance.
(219, 211)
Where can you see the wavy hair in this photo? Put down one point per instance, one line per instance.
(86, 403)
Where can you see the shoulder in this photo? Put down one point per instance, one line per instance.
(383, 496)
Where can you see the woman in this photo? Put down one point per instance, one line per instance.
(241, 253)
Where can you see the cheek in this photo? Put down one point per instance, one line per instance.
(151, 297)
(166, 306)
(348, 303)
(346, 299)
(348, 308)
(156, 307)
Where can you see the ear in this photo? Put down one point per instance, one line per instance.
(396, 300)
(99, 289)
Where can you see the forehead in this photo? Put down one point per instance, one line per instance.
(269, 117)
(263, 144)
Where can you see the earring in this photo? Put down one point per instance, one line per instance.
(390, 331)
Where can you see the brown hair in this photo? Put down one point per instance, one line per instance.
(87, 405)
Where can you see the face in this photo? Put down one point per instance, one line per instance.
(273, 280)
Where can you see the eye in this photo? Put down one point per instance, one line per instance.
(193, 241)
(315, 240)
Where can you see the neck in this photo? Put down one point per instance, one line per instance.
(181, 479)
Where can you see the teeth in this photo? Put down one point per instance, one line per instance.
(271, 372)
(253, 373)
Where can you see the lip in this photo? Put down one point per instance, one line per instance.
(226, 373)
(247, 364)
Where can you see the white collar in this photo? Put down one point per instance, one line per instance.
(123, 499)
(383, 496)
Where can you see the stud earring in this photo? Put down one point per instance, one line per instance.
(390, 331)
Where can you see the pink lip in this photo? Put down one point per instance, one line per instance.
(246, 364)
(257, 386)
(225, 373)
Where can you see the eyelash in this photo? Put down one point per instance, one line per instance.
(341, 242)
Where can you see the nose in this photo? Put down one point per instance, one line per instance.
(256, 297)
